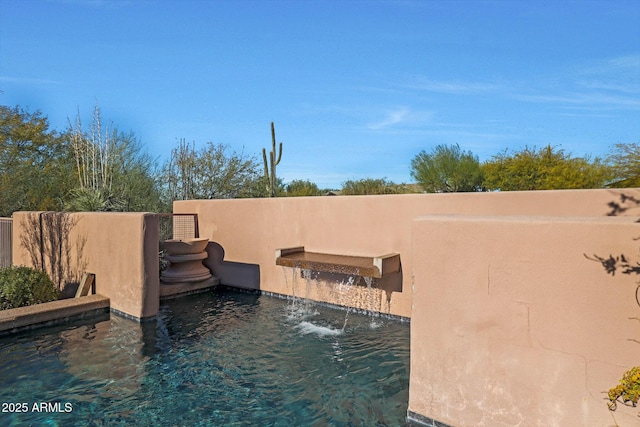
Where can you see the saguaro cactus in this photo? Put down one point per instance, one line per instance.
(270, 175)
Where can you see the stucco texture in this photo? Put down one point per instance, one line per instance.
(121, 249)
(249, 231)
(514, 326)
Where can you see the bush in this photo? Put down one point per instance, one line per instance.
(22, 286)
(628, 391)
(369, 186)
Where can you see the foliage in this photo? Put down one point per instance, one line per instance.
(628, 391)
(546, 169)
(210, 173)
(180, 172)
(625, 165)
(270, 177)
(371, 186)
(37, 166)
(299, 187)
(92, 200)
(447, 169)
(22, 286)
(136, 184)
(93, 152)
(261, 190)
(113, 173)
(35, 163)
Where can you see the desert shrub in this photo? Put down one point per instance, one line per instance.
(628, 391)
(22, 286)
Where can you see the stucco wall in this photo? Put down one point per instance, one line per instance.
(513, 325)
(510, 323)
(121, 249)
(250, 230)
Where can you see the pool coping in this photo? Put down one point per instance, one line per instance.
(35, 316)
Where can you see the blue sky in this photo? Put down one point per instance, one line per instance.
(356, 88)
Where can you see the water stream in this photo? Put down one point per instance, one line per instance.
(303, 285)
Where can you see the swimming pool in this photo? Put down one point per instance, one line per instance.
(221, 358)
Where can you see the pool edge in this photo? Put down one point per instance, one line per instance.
(418, 420)
(16, 320)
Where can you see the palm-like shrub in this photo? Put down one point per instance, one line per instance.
(22, 286)
(92, 200)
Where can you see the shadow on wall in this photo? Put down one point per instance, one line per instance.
(45, 236)
(621, 262)
(627, 391)
(236, 274)
(625, 203)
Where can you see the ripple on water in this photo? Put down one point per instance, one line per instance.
(221, 358)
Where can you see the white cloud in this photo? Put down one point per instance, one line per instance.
(609, 84)
(595, 100)
(619, 74)
(452, 87)
(404, 116)
(624, 63)
(391, 118)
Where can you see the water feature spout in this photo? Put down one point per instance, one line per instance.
(336, 279)
(185, 257)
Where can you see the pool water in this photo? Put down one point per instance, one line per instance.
(216, 359)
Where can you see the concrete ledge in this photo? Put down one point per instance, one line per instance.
(376, 267)
(51, 313)
(174, 290)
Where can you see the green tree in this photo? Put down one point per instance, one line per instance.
(299, 187)
(210, 173)
(368, 186)
(225, 175)
(447, 169)
(544, 169)
(113, 172)
(624, 160)
(179, 173)
(35, 163)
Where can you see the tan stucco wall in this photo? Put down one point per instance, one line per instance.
(512, 325)
(250, 230)
(121, 249)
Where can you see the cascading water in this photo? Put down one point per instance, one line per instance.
(325, 274)
(370, 302)
(342, 286)
(299, 307)
(304, 286)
